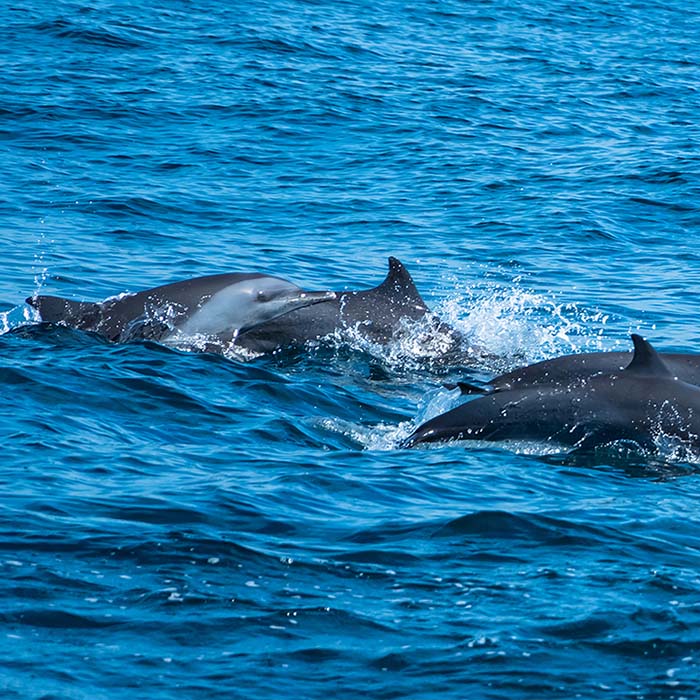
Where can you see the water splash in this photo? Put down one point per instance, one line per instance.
(520, 326)
(489, 328)
(387, 436)
(674, 450)
(41, 269)
(383, 437)
(23, 314)
(415, 345)
(672, 446)
(18, 316)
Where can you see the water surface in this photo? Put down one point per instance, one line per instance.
(181, 525)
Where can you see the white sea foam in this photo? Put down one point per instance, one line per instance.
(18, 316)
(522, 326)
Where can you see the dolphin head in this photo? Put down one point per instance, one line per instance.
(270, 297)
(245, 304)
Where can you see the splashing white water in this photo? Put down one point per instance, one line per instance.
(521, 326)
(415, 344)
(387, 436)
(23, 314)
(671, 446)
(41, 269)
(18, 316)
(512, 327)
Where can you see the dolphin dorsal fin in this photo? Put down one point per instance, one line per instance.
(399, 286)
(646, 360)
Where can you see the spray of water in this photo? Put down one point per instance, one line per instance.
(498, 328)
(22, 314)
(521, 326)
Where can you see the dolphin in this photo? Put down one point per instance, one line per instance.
(683, 366)
(376, 314)
(638, 403)
(255, 313)
(215, 308)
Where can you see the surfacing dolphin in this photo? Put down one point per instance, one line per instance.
(683, 366)
(216, 309)
(638, 403)
(256, 313)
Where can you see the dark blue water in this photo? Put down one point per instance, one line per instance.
(176, 525)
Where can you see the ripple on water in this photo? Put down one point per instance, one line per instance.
(173, 520)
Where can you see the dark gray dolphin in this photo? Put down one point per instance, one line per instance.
(377, 314)
(685, 367)
(215, 309)
(253, 312)
(637, 403)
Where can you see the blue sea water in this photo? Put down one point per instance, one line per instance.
(182, 525)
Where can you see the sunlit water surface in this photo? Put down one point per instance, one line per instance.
(182, 525)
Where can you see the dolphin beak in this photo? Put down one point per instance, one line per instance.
(300, 300)
(316, 297)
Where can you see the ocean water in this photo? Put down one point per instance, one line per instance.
(182, 525)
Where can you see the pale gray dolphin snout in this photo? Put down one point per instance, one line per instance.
(317, 297)
(278, 300)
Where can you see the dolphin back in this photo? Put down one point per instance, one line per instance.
(378, 310)
(639, 402)
(134, 316)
